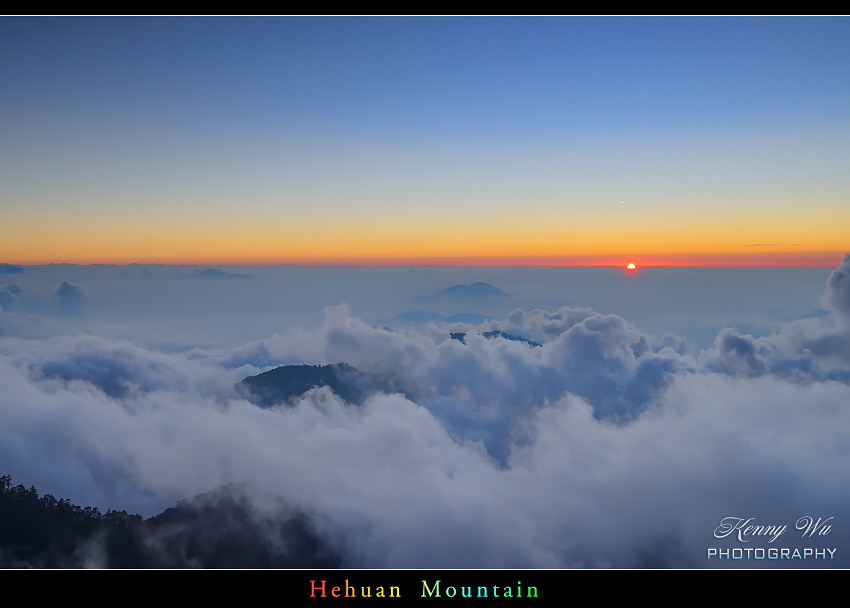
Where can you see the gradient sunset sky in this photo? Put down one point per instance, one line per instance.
(441, 140)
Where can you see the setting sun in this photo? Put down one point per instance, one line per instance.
(631, 266)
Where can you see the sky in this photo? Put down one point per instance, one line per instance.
(568, 140)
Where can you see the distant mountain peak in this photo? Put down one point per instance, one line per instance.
(475, 291)
(281, 384)
(9, 269)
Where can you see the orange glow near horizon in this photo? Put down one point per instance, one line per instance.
(414, 235)
(756, 259)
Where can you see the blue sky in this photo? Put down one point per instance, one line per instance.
(390, 126)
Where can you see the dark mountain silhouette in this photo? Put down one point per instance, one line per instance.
(477, 292)
(460, 336)
(219, 529)
(10, 297)
(217, 273)
(283, 383)
(9, 269)
(69, 299)
(44, 532)
(499, 334)
(222, 529)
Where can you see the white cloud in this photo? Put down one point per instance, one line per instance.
(604, 447)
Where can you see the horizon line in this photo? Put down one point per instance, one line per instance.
(749, 259)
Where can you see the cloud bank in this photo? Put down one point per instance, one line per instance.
(604, 447)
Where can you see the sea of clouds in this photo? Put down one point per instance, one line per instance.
(607, 446)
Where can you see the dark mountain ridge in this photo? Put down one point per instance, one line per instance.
(284, 383)
(218, 529)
